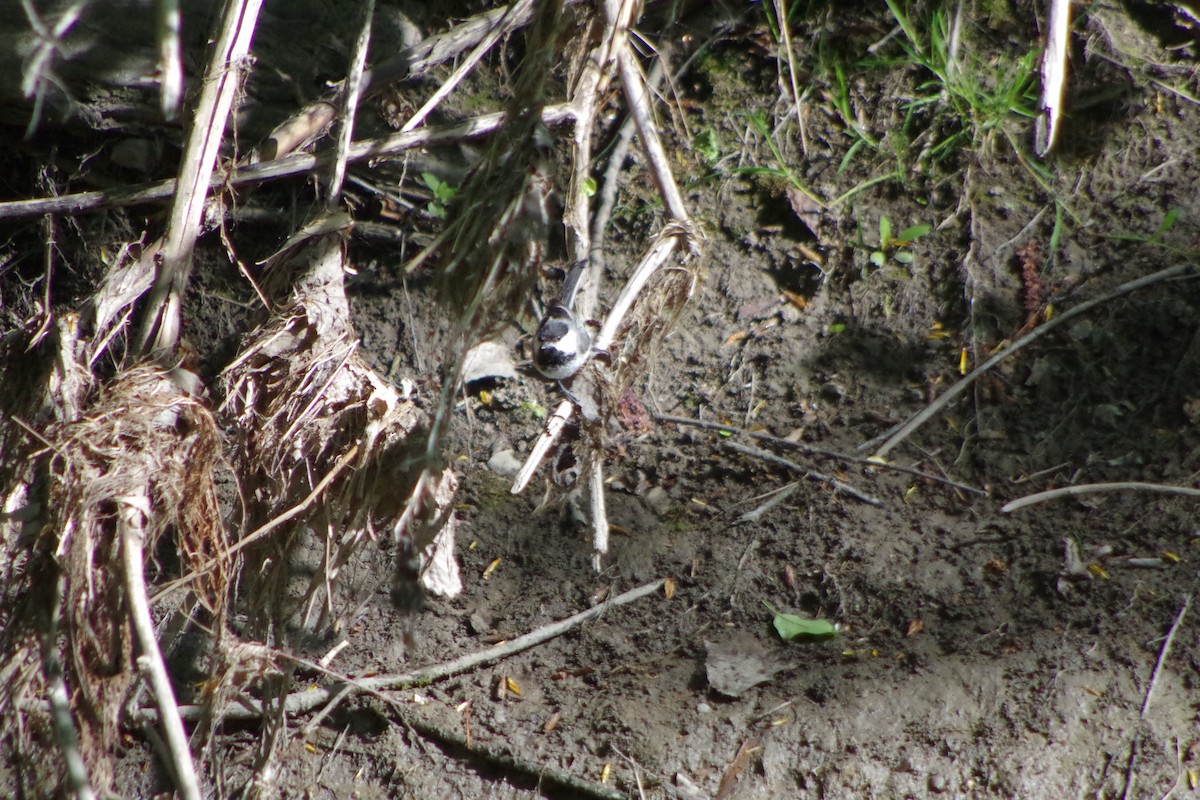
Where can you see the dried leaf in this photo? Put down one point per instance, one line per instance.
(807, 210)
(732, 671)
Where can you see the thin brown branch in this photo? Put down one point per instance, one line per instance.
(809, 474)
(920, 418)
(817, 451)
(1098, 488)
(305, 701)
(289, 166)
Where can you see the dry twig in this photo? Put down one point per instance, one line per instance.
(809, 474)
(902, 432)
(302, 702)
(1162, 654)
(134, 512)
(1097, 488)
(354, 83)
(173, 253)
(288, 166)
(817, 451)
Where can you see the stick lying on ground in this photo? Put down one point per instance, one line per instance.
(301, 702)
(920, 418)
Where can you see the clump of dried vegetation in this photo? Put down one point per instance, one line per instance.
(145, 510)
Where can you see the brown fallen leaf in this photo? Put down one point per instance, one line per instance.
(745, 755)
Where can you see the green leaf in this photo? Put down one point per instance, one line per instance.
(885, 231)
(707, 145)
(443, 192)
(904, 257)
(1167, 223)
(435, 184)
(911, 234)
(790, 626)
(837, 327)
(878, 257)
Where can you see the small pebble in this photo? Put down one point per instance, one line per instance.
(505, 463)
(703, 707)
(937, 783)
(658, 500)
(478, 624)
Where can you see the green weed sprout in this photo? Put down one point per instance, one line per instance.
(443, 194)
(894, 246)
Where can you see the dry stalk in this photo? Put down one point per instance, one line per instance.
(170, 57)
(1164, 652)
(313, 120)
(1097, 488)
(173, 253)
(133, 514)
(354, 83)
(651, 314)
(39, 74)
(139, 438)
(517, 10)
(285, 167)
(309, 415)
(593, 70)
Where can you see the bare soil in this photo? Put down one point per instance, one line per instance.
(980, 653)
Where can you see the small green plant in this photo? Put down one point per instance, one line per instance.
(978, 99)
(895, 247)
(708, 146)
(534, 410)
(443, 194)
(792, 627)
(1168, 222)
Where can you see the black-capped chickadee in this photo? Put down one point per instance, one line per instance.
(563, 342)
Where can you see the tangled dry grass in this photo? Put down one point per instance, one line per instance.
(142, 517)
